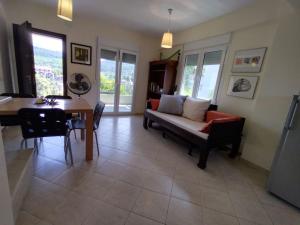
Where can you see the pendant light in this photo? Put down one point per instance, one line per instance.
(65, 9)
(167, 40)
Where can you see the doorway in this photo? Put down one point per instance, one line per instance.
(117, 80)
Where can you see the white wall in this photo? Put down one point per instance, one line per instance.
(267, 23)
(85, 31)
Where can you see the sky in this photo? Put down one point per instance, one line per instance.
(50, 43)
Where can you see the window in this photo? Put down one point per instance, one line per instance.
(201, 73)
(49, 62)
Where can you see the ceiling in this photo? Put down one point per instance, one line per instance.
(151, 16)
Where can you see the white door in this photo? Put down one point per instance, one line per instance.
(117, 80)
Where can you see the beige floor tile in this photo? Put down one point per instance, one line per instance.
(152, 205)
(252, 211)
(156, 182)
(283, 216)
(139, 220)
(217, 200)
(106, 214)
(182, 212)
(187, 191)
(25, 218)
(122, 195)
(247, 222)
(132, 175)
(111, 168)
(73, 211)
(50, 170)
(94, 186)
(71, 178)
(212, 217)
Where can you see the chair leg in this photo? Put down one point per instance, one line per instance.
(70, 150)
(26, 144)
(75, 134)
(36, 147)
(22, 142)
(97, 142)
(66, 149)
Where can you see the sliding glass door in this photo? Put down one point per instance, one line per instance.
(202, 73)
(117, 79)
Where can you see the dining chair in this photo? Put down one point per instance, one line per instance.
(12, 120)
(79, 124)
(38, 123)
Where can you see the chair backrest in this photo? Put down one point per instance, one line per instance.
(98, 113)
(59, 96)
(42, 122)
(17, 95)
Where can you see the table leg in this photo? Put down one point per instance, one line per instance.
(82, 132)
(89, 135)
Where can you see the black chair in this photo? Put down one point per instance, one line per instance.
(12, 120)
(38, 123)
(79, 124)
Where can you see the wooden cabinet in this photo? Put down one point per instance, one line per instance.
(162, 77)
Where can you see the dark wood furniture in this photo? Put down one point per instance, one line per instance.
(162, 77)
(220, 135)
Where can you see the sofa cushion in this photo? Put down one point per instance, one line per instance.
(211, 115)
(195, 109)
(218, 117)
(182, 122)
(171, 104)
(154, 104)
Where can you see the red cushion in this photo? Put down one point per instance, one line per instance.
(207, 127)
(212, 115)
(154, 104)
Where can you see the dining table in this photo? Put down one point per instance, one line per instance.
(78, 105)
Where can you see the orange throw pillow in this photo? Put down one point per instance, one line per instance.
(212, 115)
(218, 117)
(154, 104)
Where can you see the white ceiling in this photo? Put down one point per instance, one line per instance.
(151, 16)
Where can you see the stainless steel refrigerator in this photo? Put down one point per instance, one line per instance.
(284, 180)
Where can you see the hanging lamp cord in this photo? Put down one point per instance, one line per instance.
(170, 13)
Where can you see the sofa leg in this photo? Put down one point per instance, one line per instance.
(191, 150)
(235, 148)
(145, 123)
(164, 134)
(203, 159)
(150, 123)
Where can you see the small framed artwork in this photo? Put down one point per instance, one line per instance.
(81, 54)
(248, 61)
(242, 86)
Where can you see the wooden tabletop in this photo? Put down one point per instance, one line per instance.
(68, 105)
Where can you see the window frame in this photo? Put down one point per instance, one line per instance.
(200, 62)
(63, 37)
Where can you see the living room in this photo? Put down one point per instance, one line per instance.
(130, 180)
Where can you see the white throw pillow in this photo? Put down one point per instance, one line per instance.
(195, 109)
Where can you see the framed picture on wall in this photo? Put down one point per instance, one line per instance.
(248, 61)
(81, 54)
(242, 86)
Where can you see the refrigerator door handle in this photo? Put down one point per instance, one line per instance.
(290, 126)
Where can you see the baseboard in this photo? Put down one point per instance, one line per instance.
(251, 164)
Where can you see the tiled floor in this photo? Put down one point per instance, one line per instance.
(142, 179)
